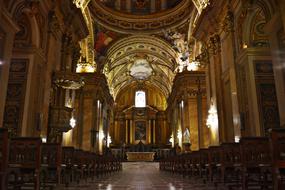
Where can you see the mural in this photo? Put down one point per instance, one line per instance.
(102, 39)
(140, 130)
(140, 7)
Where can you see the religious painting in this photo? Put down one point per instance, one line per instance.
(140, 130)
(102, 38)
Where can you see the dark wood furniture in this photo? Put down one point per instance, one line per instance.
(51, 165)
(277, 148)
(3, 157)
(24, 163)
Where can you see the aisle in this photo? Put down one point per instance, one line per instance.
(141, 176)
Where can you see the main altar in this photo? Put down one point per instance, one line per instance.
(140, 156)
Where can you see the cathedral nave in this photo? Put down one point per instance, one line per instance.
(142, 94)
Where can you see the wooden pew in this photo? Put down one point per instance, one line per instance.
(256, 163)
(3, 157)
(229, 167)
(51, 165)
(214, 155)
(24, 163)
(204, 164)
(67, 166)
(277, 149)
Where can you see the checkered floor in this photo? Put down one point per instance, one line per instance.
(141, 176)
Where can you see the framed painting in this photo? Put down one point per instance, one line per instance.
(140, 130)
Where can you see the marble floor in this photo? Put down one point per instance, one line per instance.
(141, 176)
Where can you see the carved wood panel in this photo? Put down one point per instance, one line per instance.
(266, 92)
(15, 96)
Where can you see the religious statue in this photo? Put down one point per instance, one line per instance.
(186, 140)
(180, 45)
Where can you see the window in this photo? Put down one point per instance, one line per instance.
(140, 99)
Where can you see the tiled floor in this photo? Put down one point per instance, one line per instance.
(141, 176)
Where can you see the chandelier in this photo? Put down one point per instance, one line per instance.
(212, 120)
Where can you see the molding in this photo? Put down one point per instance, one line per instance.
(153, 23)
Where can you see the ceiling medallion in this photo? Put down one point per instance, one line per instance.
(141, 69)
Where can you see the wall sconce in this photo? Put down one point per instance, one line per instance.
(179, 136)
(212, 120)
(171, 140)
(237, 138)
(72, 122)
(44, 139)
(109, 140)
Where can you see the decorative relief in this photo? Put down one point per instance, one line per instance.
(257, 34)
(263, 68)
(15, 96)
(214, 44)
(23, 38)
(53, 23)
(268, 104)
(127, 23)
(228, 23)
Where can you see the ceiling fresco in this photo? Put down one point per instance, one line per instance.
(142, 41)
(140, 7)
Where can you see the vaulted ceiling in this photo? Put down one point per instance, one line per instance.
(132, 41)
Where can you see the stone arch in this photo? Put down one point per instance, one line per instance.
(255, 17)
(27, 15)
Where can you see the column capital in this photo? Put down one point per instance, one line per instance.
(214, 44)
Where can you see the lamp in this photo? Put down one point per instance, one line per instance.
(171, 140)
(72, 122)
(109, 140)
(212, 120)
(179, 136)
(84, 66)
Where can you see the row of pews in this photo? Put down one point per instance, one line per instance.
(253, 163)
(27, 163)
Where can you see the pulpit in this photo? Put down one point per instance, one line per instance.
(140, 156)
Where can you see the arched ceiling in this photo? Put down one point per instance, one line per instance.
(144, 47)
(140, 58)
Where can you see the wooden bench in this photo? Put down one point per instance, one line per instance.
(214, 155)
(51, 165)
(277, 149)
(67, 165)
(3, 157)
(256, 163)
(24, 163)
(229, 167)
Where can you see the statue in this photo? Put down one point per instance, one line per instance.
(186, 140)
(180, 45)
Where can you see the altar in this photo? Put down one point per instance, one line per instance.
(140, 156)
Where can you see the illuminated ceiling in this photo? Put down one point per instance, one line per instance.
(132, 40)
(155, 56)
